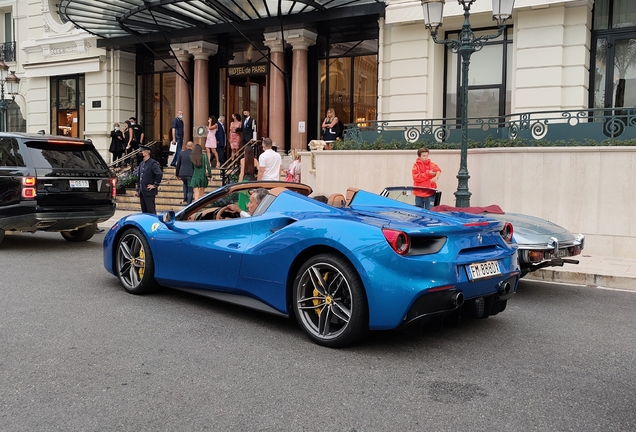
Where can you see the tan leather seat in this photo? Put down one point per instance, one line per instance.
(337, 200)
(351, 192)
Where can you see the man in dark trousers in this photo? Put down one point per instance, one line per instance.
(248, 127)
(184, 171)
(150, 176)
(177, 136)
(221, 139)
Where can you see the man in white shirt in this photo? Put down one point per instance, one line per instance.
(269, 162)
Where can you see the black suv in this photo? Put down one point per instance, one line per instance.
(53, 183)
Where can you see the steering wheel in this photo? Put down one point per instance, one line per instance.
(226, 213)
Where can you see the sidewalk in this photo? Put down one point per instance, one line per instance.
(605, 272)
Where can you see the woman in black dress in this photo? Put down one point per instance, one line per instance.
(117, 143)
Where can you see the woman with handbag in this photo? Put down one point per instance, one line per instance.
(201, 172)
(210, 142)
(293, 171)
(330, 128)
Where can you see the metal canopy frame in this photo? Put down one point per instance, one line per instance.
(147, 19)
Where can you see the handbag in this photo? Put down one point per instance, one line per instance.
(173, 147)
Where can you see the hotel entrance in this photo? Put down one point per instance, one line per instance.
(247, 90)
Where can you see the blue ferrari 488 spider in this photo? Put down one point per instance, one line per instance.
(356, 263)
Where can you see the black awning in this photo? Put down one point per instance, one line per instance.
(148, 19)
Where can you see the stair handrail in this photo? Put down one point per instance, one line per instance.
(232, 167)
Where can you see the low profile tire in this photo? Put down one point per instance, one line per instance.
(134, 264)
(329, 301)
(80, 234)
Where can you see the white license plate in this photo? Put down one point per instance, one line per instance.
(484, 269)
(78, 183)
(562, 253)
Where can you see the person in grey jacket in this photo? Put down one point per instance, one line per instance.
(184, 171)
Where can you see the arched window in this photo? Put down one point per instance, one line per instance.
(613, 71)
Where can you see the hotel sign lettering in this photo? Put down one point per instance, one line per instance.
(246, 70)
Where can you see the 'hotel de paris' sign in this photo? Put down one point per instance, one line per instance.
(248, 69)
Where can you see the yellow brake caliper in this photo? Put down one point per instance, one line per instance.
(142, 256)
(317, 294)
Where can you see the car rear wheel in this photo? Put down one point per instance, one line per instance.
(80, 234)
(329, 301)
(134, 264)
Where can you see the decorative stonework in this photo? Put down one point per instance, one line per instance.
(53, 50)
(51, 24)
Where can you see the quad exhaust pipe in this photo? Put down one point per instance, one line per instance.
(457, 300)
(504, 288)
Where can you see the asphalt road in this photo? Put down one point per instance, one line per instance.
(77, 353)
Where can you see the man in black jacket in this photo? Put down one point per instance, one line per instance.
(184, 171)
(149, 177)
(248, 127)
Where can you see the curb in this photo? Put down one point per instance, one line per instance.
(581, 278)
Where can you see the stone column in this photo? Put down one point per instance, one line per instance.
(202, 51)
(300, 40)
(182, 90)
(276, 89)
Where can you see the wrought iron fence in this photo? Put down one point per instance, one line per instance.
(7, 51)
(580, 126)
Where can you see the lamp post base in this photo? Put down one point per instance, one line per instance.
(462, 195)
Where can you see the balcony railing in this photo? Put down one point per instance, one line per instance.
(7, 51)
(572, 126)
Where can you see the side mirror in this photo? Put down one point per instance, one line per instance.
(168, 218)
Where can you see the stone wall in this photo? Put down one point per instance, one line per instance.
(585, 189)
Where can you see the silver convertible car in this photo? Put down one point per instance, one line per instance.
(541, 243)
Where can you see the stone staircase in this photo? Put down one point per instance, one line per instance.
(170, 195)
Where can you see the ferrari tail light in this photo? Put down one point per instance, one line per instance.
(507, 232)
(398, 240)
(113, 187)
(28, 188)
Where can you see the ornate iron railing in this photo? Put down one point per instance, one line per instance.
(7, 51)
(579, 126)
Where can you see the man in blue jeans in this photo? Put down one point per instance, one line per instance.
(177, 136)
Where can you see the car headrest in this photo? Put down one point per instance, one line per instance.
(337, 200)
(351, 192)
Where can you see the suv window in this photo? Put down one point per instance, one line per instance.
(10, 153)
(67, 155)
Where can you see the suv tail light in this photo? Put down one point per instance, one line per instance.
(28, 188)
(113, 187)
(398, 240)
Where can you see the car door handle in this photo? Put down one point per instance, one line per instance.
(234, 245)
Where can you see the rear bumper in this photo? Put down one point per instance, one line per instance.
(442, 303)
(56, 221)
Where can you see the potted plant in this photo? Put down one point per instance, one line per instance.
(126, 180)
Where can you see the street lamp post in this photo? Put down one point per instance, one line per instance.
(465, 45)
(12, 83)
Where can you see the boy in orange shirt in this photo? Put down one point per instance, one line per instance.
(425, 174)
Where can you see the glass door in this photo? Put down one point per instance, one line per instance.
(615, 75)
(248, 93)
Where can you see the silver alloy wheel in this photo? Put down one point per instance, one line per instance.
(131, 261)
(324, 301)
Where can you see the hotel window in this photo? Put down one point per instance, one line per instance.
(613, 71)
(489, 77)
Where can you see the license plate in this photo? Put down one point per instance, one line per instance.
(484, 269)
(78, 183)
(562, 253)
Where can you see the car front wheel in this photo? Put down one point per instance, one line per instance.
(329, 301)
(134, 264)
(80, 234)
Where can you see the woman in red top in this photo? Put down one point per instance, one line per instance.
(425, 174)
